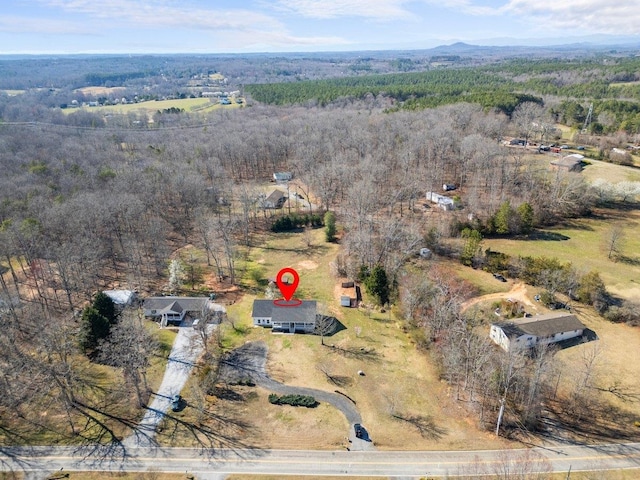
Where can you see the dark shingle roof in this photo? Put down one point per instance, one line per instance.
(177, 304)
(305, 312)
(262, 308)
(542, 325)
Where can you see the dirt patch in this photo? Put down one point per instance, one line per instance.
(308, 265)
(519, 292)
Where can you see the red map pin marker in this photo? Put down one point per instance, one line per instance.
(287, 289)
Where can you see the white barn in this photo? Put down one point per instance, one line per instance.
(528, 332)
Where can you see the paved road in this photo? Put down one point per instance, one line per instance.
(207, 464)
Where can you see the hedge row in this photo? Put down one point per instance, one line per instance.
(293, 400)
(293, 221)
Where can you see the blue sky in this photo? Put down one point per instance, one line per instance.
(242, 26)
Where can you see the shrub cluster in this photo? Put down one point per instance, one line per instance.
(293, 400)
(295, 220)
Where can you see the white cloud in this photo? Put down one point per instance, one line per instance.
(326, 9)
(231, 28)
(587, 16)
(158, 13)
(20, 24)
(258, 41)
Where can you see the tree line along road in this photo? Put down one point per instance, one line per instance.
(203, 464)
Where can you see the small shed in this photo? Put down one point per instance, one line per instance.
(350, 295)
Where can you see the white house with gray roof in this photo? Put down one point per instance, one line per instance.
(289, 319)
(172, 310)
(528, 332)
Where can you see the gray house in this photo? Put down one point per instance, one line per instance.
(295, 319)
(172, 310)
(528, 332)
(282, 177)
(275, 200)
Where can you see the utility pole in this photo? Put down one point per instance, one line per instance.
(500, 414)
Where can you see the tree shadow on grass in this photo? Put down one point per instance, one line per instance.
(585, 422)
(634, 261)
(547, 236)
(211, 432)
(425, 425)
(361, 353)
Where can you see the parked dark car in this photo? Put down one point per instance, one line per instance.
(175, 403)
(359, 430)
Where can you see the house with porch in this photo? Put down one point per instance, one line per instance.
(286, 319)
(172, 310)
(528, 332)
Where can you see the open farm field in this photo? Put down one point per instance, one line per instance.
(187, 104)
(100, 90)
(403, 403)
(583, 243)
(610, 172)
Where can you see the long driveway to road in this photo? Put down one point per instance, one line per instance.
(185, 351)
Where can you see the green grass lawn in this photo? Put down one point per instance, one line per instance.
(610, 172)
(583, 243)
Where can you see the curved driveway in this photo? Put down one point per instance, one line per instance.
(249, 362)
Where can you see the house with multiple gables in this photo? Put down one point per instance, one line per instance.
(172, 310)
(288, 319)
(522, 333)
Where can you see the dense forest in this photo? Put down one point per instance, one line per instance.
(609, 84)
